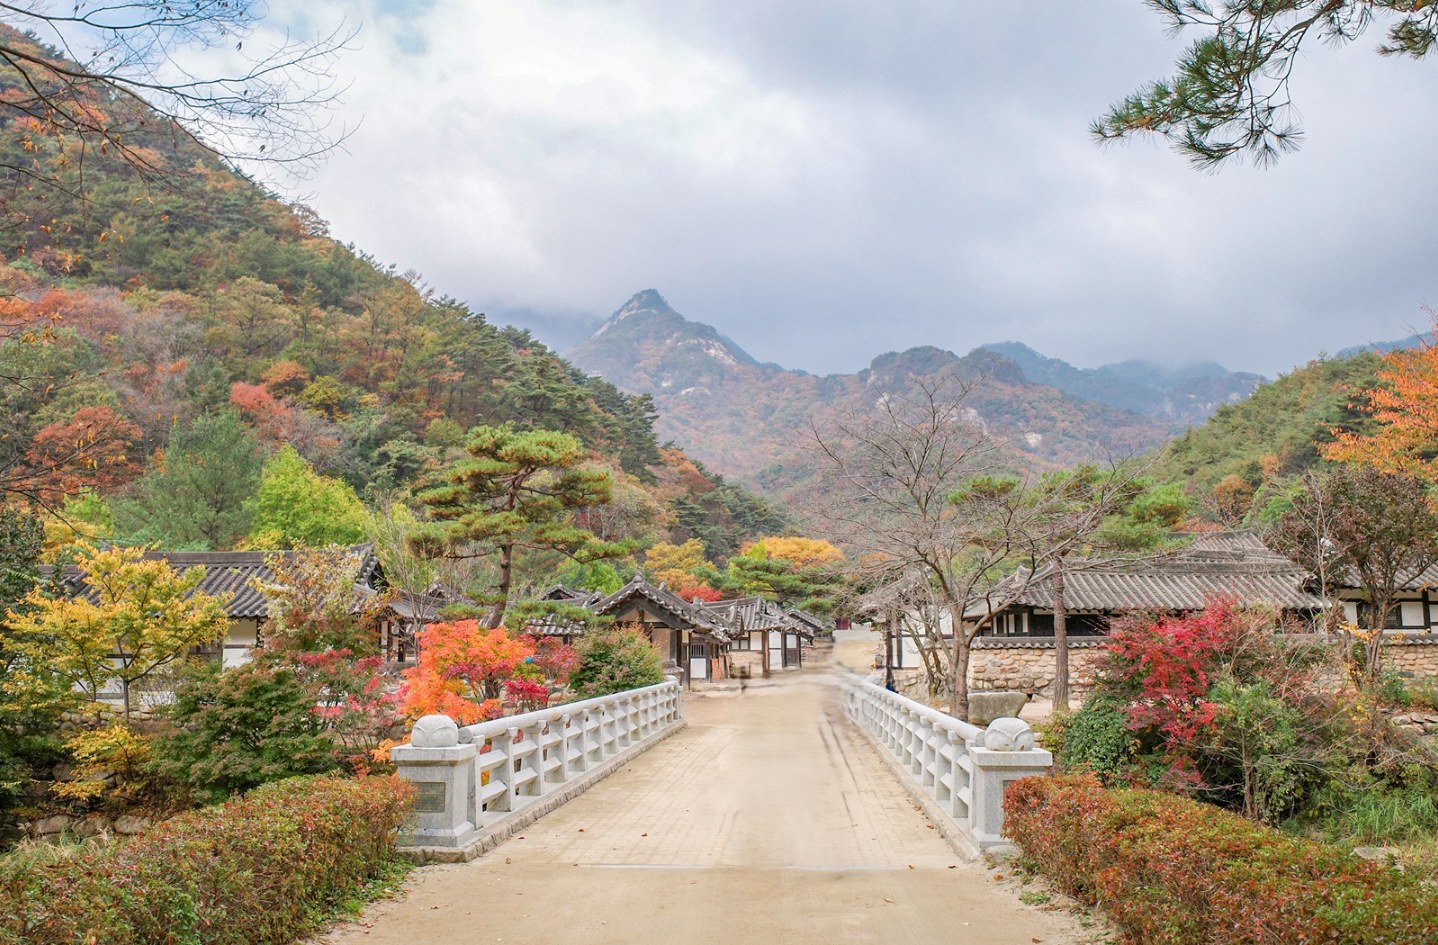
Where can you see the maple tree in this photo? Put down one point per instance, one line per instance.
(146, 616)
(1404, 405)
(462, 671)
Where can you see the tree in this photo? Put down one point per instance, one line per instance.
(517, 492)
(1404, 404)
(129, 70)
(145, 616)
(233, 729)
(1230, 95)
(462, 671)
(1088, 517)
(614, 659)
(1360, 526)
(675, 565)
(315, 603)
(198, 494)
(906, 486)
(296, 506)
(32, 696)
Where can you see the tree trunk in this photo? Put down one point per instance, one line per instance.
(506, 575)
(959, 708)
(1061, 642)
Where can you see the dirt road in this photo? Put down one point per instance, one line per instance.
(767, 820)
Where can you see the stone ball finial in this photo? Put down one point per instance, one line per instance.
(435, 731)
(1009, 735)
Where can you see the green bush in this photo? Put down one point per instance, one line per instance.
(260, 870)
(231, 730)
(1096, 739)
(615, 659)
(1171, 871)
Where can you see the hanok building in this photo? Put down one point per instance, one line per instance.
(236, 577)
(765, 638)
(689, 635)
(1231, 565)
(1015, 648)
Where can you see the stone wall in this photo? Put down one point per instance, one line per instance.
(1416, 658)
(1027, 665)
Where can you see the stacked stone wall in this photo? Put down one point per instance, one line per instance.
(1029, 666)
(1414, 658)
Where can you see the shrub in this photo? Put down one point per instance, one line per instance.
(1097, 739)
(232, 730)
(1171, 871)
(260, 870)
(615, 659)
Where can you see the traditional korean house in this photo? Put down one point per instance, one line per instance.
(1234, 565)
(236, 576)
(690, 635)
(766, 638)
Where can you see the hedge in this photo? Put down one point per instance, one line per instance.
(262, 869)
(1171, 871)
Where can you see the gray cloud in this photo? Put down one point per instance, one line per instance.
(827, 181)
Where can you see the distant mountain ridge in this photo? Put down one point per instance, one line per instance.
(1178, 396)
(748, 419)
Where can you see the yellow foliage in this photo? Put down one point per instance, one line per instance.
(145, 616)
(800, 552)
(675, 564)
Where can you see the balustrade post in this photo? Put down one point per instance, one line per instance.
(561, 771)
(441, 769)
(1004, 752)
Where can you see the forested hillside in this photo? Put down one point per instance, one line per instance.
(1276, 433)
(169, 326)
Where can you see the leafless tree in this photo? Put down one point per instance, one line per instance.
(910, 487)
(94, 74)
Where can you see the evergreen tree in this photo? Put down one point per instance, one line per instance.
(199, 497)
(516, 492)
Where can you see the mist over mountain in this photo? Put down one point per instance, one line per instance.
(1178, 396)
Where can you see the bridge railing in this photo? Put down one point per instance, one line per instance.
(962, 768)
(475, 781)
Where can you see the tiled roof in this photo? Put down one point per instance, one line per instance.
(697, 616)
(1186, 581)
(750, 613)
(231, 574)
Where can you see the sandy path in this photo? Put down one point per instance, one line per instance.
(767, 819)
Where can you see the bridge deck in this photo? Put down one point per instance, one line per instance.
(767, 819)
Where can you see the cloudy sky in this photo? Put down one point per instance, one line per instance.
(825, 181)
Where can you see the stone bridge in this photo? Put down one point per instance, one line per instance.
(768, 816)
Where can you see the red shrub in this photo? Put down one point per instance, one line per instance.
(255, 871)
(1171, 871)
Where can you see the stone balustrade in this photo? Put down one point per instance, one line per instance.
(477, 784)
(958, 769)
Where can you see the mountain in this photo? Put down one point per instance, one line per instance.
(1177, 396)
(1383, 347)
(140, 296)
(750, 420)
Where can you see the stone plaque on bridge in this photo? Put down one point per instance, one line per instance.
(430, 799)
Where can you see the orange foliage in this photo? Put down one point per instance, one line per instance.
(285, 378)
(270, 417)
(88, 450)
(462, 670)
(700, 592)
(1405, 404)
